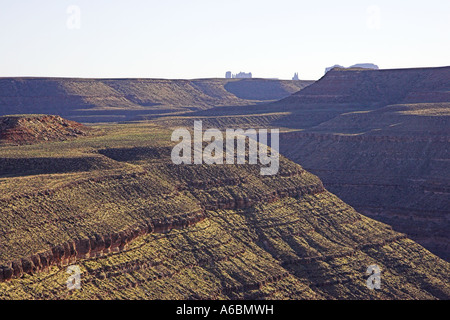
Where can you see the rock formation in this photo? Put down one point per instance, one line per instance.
(111, 100)
(28, 129)
(145, 228)
(377, 138)
(355, 66)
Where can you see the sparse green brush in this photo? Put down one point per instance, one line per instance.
(192, 231)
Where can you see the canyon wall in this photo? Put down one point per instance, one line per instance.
(384, 150)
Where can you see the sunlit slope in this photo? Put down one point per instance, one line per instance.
(143, 228)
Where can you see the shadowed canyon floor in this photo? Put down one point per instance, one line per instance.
(140, 227)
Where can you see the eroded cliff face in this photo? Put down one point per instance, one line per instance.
(94, 246)
(377, 138)
(402, 181)
(384, 150)
(367, 88)
(97, 245)
(145, 228)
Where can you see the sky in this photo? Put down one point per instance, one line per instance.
(187, 39)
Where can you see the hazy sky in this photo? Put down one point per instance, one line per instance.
(206, 38)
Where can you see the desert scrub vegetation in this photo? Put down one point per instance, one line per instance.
(140, 227)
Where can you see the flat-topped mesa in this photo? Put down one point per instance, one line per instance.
(112, 100)
(30, 129)
(366, 87)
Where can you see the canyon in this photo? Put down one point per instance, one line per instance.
(107, 197)
(141, 227)
(377, 138)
